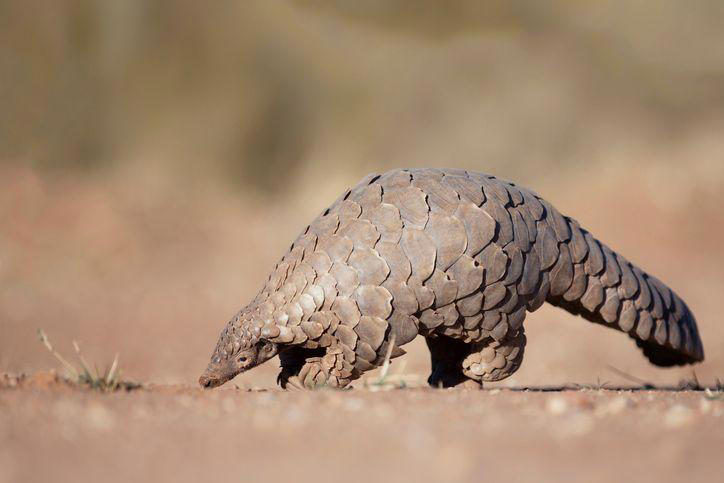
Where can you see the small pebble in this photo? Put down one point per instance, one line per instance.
(678, 416)
(557, 406)
(613, 407)
(100, 418)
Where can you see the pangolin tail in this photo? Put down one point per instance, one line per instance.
(597, 283)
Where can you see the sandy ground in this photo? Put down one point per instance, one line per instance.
(49, 432)
(137, 267)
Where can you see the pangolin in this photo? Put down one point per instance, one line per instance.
(455, 256)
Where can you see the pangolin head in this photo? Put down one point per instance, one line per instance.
(239, 349)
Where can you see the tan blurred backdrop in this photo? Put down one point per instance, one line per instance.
(156, 158)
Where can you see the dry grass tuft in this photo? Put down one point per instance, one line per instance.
(107, 381)
(386, 381)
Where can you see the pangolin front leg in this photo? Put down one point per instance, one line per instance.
(291, 361)
(335, 368)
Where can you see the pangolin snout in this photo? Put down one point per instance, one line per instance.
(211, 379)
(208, 381)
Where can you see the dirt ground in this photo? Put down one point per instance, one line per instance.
(49, 432)
(153, 276)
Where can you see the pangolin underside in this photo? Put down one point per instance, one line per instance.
(455, 256)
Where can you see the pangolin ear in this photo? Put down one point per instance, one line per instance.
(266, 345)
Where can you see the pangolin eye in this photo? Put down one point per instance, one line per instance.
(242, 359)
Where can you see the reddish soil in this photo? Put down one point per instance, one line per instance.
(52, 432)
(153, 275)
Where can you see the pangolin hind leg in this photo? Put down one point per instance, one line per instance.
(495, 360)
(457, 364)
(446, 357)
(311, 369)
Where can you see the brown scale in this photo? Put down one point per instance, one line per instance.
(455, 256)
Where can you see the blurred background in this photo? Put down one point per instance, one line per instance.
(157, 158)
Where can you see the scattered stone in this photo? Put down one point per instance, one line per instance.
(557, 406)
(100, 418)
(613, 407)
(705, 406)
(678, 416)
